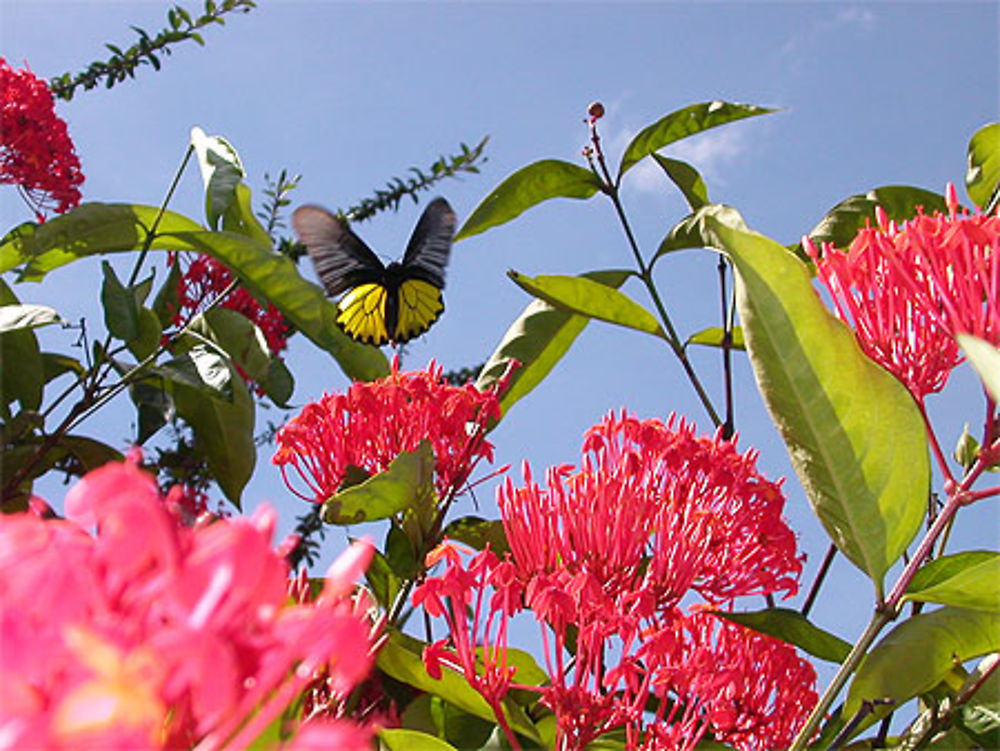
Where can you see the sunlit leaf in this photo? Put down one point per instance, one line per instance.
(985, 359)
(478, 533)
(793, 627)
(714, 335)
(538, 339)
(400, 739)
(30, 316)
(582, 296)
(682, 123)
(966, 580)
(529, 186)
(854, 434)
(695, 231)
(221, 172)
(983, 174)
(687, 179)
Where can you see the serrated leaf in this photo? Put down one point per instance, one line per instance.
(985, 359)
(26, 316)
(401, 739)
(537, 339)
(982, 175)
(408, 479)
(582, 296)
(965, 580)
(917, 654)
(687, 179)
(853, 433)
(713, 336)
(690, 120)
(121, 313)
(477, 533)
(695, 231)
(528, 187)
(793, 627)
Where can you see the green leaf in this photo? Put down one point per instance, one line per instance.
(713, 336)
(853, 432)
(279, 383)
(686, 178)
(383, 583)
(899, 202)
(477, 533)
(154, 407)
(400, 739)
(55, 364)
(25, 382)
(239, 217)
(985, 360)
(201, 368)
(221, 173)
(980, 717)
(537, 339)
(167, 301)
(121, 314)
(88, 229)
(401, 659)
(148, 337)
(238, 337)
(917, 654)
(408, 480)
(223, 430)
(964, 580)
(693, 119)
(695, 231)
(793, 627)
(400, 554)
(983, 174)
(27, 316)
(530, 186)
(577, 294)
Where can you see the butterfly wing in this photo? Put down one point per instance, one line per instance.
(363, 313)
(342, 260)
(427, 252)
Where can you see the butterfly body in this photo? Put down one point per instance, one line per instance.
(380, 303)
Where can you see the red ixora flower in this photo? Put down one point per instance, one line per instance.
(374, 422)
(36, 153)
(907, 289)
(204, 278)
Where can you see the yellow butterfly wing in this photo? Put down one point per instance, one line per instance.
(419, 305)
(362, 313)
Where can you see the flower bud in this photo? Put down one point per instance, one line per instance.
(595, 110)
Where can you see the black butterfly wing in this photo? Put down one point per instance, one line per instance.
(427, 252)
(342, 260)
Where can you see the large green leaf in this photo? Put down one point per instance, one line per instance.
(121, 312)
(221, 172)
(687, 179)
(537, 340)
(899, 202)
(689, 121)
(401, 658)
(985, 359)
(694, 230)
(408, 480)
(529, 186)
(853, 432)
(793, 627)
(577, 294)
(965, 580)
(17, 316)
(917, 654)
(983, 174)
(223, 431)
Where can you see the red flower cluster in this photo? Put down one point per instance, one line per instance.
(36, 153)
(374, 422)
(155, 635)
(205, 278)
(908, 289)
(603, 557)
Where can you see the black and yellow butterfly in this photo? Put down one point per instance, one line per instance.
(382, 303)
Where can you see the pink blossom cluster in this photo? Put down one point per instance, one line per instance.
(148, 633)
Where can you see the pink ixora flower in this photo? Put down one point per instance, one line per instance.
(151, 634)
(373, 423)
(36, 153)
(907, 290)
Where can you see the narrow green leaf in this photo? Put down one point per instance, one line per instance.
(853, 432)
(121, 314)
(26, 316)
(530, 186)
(400, 739)
(693, 119)
(687, 179)
(985, 360)
(537, 340)
(223, 432)
(477, 533)
(695, 231)
(917, 654)
(712, 337)
(408, 480)
(842, 222)
(983, 174)
(964, 580)
(794, 628)
(577, 294)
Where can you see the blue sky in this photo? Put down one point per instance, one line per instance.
(350, 94)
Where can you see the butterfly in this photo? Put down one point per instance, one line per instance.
(380, 303)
